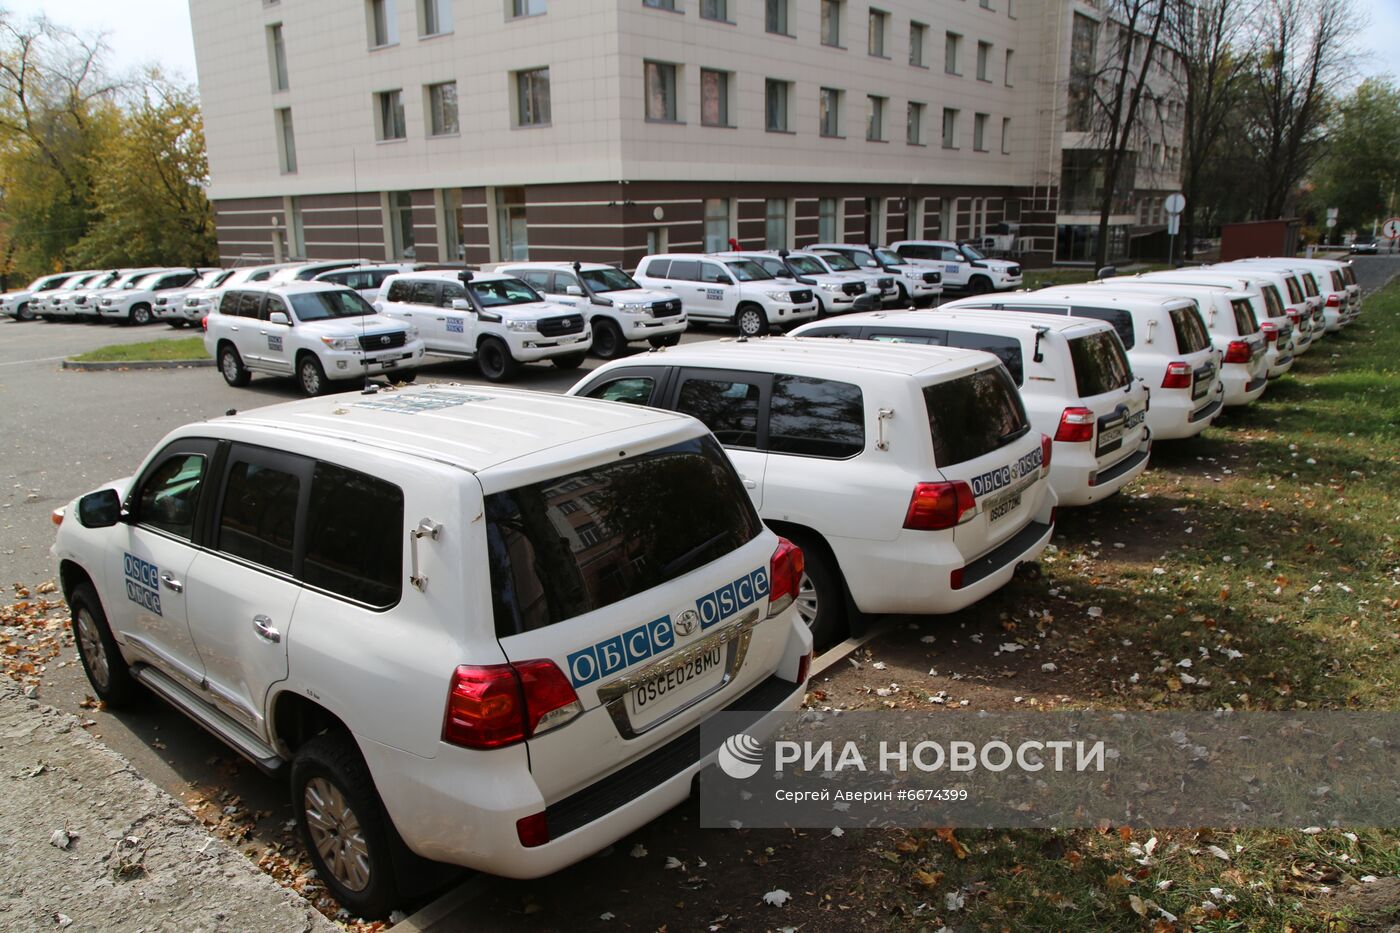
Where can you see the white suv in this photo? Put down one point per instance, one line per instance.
(497, 320)
(315, 331)
(1074, 377)
(1269, 308)
(136, 303)
(733, 291)
(836, 292)
(619, 310)
(909, 477)
(170, 304)
(964, 267)
(22, 305)
(453, 618)
(919, 286)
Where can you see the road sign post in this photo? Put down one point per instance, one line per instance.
(1173, 205)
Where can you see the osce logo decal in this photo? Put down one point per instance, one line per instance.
(142, 583)
(992, 480)
(610, 656)
(729, 599)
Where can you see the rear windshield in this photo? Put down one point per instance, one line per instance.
(1310, 283)
(1350, 273)
(1272, 301)
(1244, 316)
(571, 545)
(973, 415)
(1191, 336)
(1295, 294)
(1100, 364)
(1338, 282)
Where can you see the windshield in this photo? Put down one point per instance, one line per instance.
(322, 306)
(889, 258)
(48, 284)
(863, 258)
(146, 281)
(609, 280)
(746, 270)
(806, 265)
(970, 252)
(840, 263)
(503, 292)
(213, 279)
(130, 281)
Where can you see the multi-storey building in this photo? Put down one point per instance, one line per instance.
(486, 130)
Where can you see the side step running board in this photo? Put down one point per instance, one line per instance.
(223, 728)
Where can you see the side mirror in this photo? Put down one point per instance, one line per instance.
(461, 304)
(278, 317)
(574, 290)
(101, 509)
(1107, 272)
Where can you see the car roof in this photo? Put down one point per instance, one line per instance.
(1070, 293)
(557, 266)
(1168, 287)
(472, 427)
(290, 288)
(450, 275)
(931, 318)
(818, 354)
(718, 257)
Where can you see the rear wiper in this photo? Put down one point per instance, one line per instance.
(672, 566)
(1010, 436)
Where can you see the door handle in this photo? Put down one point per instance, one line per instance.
(168, 580)
(263, 626)
(234, 329)
(442, 319)
(748, 483)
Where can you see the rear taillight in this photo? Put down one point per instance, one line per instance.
(1237, 352)
(493, 705)
(1270, 332)
(1334, 301)
(204, 323)
(1295, 316)
(804, 668)
(1076, 425)
(938, 506)
(784, 576)
(1178, 376)
(1047, 447)
(533, 830)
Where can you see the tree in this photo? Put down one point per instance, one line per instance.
(1360, 172)
(149, 198)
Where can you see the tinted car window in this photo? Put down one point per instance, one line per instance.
(249, 303)
(1244, 316)
(258, 519)
(973, 415)
(728, 409)
(354, 536)
(1006, 349)
(228, 304)
(272, 304)
(400, 291)
(917, 252)
(713, 274)
(816, 418)
(424, 293)
(635, 390)
(1310, 283)
(835, 331)
(1191, 336)
(927, 338)
(1121, 320)
(562, 282)
(1295, 294)
(1100, 365)
(537, 278)
(452, 291)
(568, 546)
(658, 268)
(169, 495)
(685, 270)
(1273, 301)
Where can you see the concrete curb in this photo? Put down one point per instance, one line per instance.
(93, 366)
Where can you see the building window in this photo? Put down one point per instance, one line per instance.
(401, 224)
(984, 61)
(830, 112)
(828, 227)
(661, 92)
(532, 97)
(951, 42)
(442, 108)
(775, 17)
(520, 8)
(511, 231)
(918, 32)
(277, 50)
(775, 223)
(451, 200)
(716, 225)
(775, 98)
(715, 9)
(1010, 54)
(1006, 136)
(383, 23)
(979, 132)
(878, 21)
(286, 141)
(1082, 54)
(714, 97)
(873, 225)
(831, 22)
(389, 113)
(661, 4)
(950, 128)
(914, 130)
(875, 118)
(436, 17)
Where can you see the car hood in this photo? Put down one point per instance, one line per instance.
(628, 295)
(351, 326)
(534, 309)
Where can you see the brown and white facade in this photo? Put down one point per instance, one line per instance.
(602, 130)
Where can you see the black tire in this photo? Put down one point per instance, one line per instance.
(102, 661)
(904, 301)
(608, 342)
(751, 321)
(140, 315)
(311, 377)
(23, 313)
(232, 368)
(178, 325)
(670, 340)
(404, 378)
(494, 360)
(343, 826)
(572, 361)
(979, 285)
(821, 597)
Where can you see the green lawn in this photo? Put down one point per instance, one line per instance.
(179, 348)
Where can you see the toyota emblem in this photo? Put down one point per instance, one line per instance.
(384, 341)
(687, 622)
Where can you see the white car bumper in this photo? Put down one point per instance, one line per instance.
(1078, 479)
(350, 364)
(642, 327)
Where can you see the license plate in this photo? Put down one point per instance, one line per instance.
(662, 694)
(388, 364)
(1004, 508)
(1110, 438)
(1201, 386)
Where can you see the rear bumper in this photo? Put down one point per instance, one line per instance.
(1174, 415)
(1279, 363)
(1241, 387)
(1084, 485)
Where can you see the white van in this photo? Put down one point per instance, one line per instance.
(1166, 340)
(1234, 331)
(733, 291)
(911, 478)
(619, 310)
(1269, 310)
(496, 320)
(836, 292)
(1073, 375)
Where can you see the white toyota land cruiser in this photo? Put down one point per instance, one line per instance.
(453, 616)
(963, 266)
